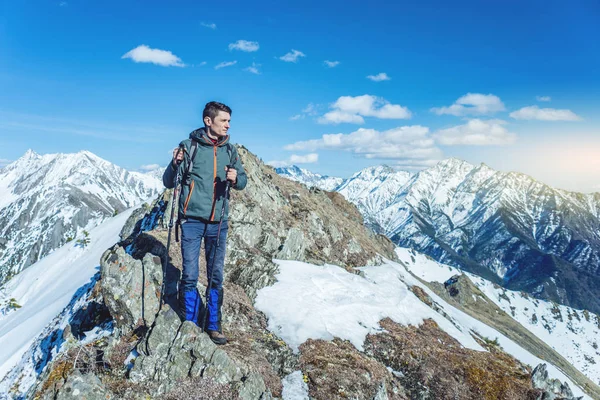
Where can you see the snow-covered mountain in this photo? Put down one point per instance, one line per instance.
(372, 190)
(308, 178)
(46, 200)
(507, 227)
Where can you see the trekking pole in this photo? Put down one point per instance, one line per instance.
(173, 202)
(214, 252)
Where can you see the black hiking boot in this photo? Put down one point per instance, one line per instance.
(217, 337)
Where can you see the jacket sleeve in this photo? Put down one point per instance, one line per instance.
(242, 179)
(169, 176)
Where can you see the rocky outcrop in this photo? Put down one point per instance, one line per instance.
(131, 288)
(553, 388)
(80, 386)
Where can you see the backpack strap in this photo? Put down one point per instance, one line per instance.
(229, 152)
(188, 171)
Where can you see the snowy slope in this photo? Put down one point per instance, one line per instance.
(309, 178)
(46, 199)
(44, 289)
(572, 333)
(320, 302)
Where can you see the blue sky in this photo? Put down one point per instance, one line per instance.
(513, 84)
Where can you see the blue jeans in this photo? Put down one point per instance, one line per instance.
(192, 233)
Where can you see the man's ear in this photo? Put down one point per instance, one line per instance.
(207, 121)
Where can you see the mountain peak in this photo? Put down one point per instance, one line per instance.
(30, 154)
(455, 162)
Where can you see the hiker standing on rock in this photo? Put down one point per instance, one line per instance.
(206, 162)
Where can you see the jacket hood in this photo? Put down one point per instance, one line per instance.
(201, 136)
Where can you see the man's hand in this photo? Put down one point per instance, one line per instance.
(231, 174)
(177, 156)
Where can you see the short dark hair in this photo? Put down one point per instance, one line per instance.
(212, 108)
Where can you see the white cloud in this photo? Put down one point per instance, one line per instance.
(63, 4)
(476, 133)
(340, 117)
(203, 63)
(331, 64)
(207, 25)
(350, 109)
(4, 162)
(292, 56)
(545, 114)
(472, 104)
(225, 64)
(278, 164)
(543, 98)
(149, 167)
(310, 158)
(310, 110)
(144, 54)
(410, 145)
(382, 76)
(253, 68)
(244, 45)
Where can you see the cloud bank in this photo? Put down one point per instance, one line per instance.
(472, 104)
(544, 114)
(348, 109)
(476, 133)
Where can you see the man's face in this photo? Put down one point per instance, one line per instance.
(220, 124)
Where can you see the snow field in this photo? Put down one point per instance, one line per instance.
(320, 302)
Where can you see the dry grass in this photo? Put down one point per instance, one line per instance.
(336, 370)
(464, 374)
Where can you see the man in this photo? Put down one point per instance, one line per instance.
(200, 205)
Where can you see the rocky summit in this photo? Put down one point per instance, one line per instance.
(148, 352)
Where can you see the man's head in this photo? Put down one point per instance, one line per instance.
(216, 118)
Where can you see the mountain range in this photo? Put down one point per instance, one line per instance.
(50, 199)
(506, 227)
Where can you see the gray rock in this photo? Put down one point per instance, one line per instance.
(293, 247)
(173, 351)
(86, 386)
(131, 288)
(381, 393)
(553, 388)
